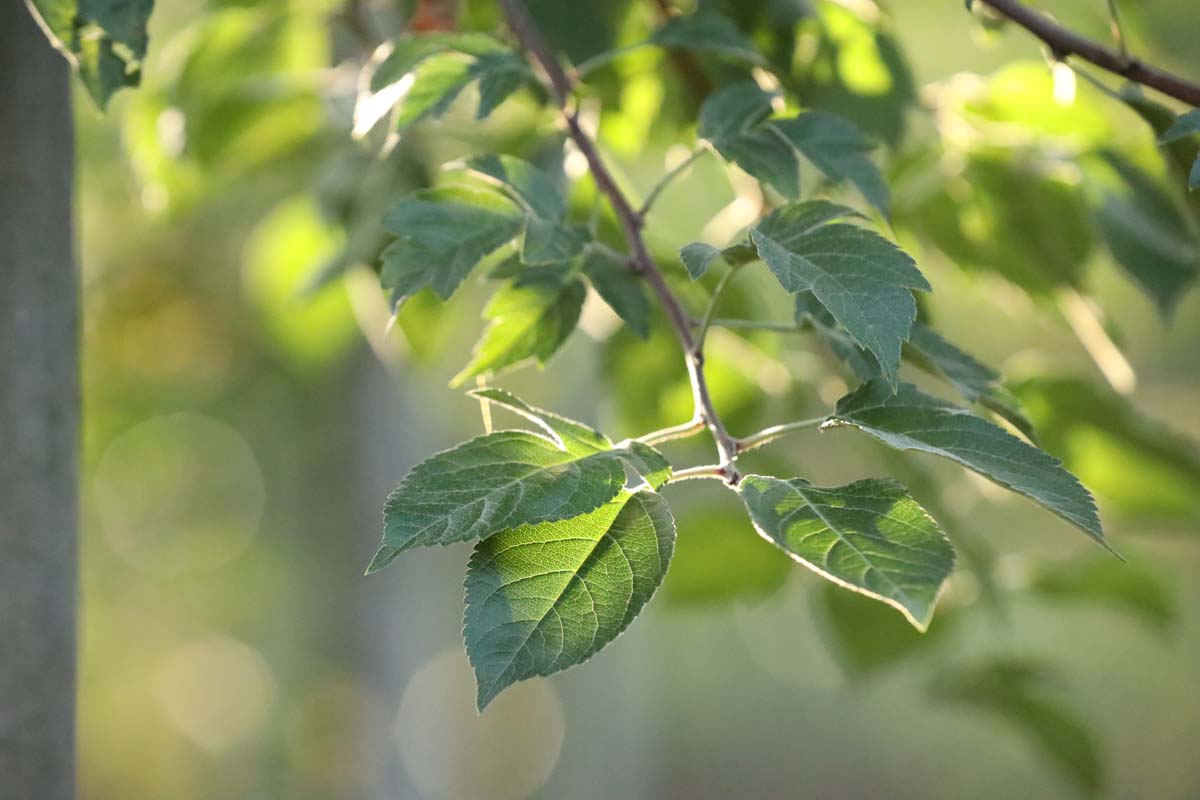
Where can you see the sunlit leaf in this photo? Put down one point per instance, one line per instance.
(912, 420)
(869, 536)
(530, 321)
(546, 597)
(105, 40)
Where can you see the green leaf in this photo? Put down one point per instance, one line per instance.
(810, 312)
(1185, 125)
(860, 277)
(442, 234)
(975, 381)
(437, 82)
(508, 479)
(1194, 176)
(764, 154)
(546, 597)
(531, 188)
(530, 321)
(406, 53)
(837, 148)
(869, 536)
(1146, 232)
(1021, 694)
(697, 257)
(574, 437)
(104, 40)
(913, 420)
(733, 109)
(621, 289)
(706, 32)
(551, 242)
(1141, 466)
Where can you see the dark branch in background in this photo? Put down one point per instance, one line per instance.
(532, 41)
(1063, 43)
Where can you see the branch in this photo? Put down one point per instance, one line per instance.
(531, 40)
(1063, 42)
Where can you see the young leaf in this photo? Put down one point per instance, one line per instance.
(869, 536)
(104, 41)
(530, 321)
(574, 437)
(837, 148)
(706, 32)
(913, 420)
(621, 289)
(442, 234)
(697, 257)
(975, 381)
(546, 597)
(860, 277)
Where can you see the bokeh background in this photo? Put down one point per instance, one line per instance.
(247, 412)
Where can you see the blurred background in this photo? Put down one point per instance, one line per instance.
(247, 412)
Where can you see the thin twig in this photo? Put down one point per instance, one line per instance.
(1063, 42)
(713, 471)
(689, 428)
(707, 319)
(671, 175)
(530, 37)
(768, 435)
(1118, 33)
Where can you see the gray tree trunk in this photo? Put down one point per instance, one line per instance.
(38, 416)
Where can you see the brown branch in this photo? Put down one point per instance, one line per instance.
(531, 39)
(1063, 42)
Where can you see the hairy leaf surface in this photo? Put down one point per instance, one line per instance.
(869, 536)
(545, 597)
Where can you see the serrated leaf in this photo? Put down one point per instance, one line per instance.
(909, 419)
(104, 40)
(837, 148)
(1138, 464)
(546, 597)
(551, 242)
(532, 188)
(863, 280)
(697, 257)
(621, 289)
(508, 479)
(1147, 233)
(574, 437)
(975, 381)
(707, 32)
(869, 536)
(530, 321)
(764, 154)
(1021, 694)
(407, 52)
(499, 76)
(436, 84)
(1184, 125)
(809, 311)
(442, 234)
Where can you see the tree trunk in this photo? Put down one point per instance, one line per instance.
(38, 416)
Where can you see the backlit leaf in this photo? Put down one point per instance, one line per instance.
(869, 536)
(542, 598)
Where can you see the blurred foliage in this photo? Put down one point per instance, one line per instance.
(230, 231)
